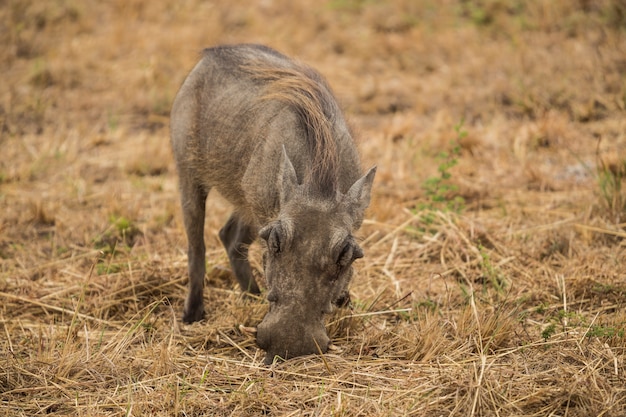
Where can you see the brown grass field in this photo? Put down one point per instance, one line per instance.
(494, 282)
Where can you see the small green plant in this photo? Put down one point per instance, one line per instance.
(542, 308)
(427, 305)
(120, 234)
(439, 189)
(548, 331)
(561, 319)
(490, 271)
(601, 331)
(121, 223)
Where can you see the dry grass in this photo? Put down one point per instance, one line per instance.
(513, 307)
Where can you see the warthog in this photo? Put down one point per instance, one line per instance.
(267, 133)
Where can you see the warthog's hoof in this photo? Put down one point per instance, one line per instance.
(193, 315)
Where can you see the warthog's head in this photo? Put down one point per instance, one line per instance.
(308, 263)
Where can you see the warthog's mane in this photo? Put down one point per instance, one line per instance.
(310, 97)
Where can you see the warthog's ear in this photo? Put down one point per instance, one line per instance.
(359, 194)
(287, 179)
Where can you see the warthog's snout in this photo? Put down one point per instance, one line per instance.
(286, 336)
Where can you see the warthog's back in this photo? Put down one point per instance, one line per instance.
(237, 109)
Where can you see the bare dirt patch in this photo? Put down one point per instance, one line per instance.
(494, 280)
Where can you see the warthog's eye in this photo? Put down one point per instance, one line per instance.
(348, 254)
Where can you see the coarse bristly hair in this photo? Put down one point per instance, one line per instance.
(309, 96)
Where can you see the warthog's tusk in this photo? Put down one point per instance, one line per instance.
(248, 330)
(334, 348)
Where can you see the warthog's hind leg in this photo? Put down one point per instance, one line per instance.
(237, 237)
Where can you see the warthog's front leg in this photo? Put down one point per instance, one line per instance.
(237, 237)
(194, 205)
